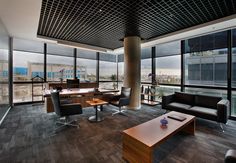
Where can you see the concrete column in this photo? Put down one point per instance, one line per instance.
(132, 62)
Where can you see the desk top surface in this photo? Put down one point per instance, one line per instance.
(151, 133)
(79, 91)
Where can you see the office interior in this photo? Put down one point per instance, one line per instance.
(155, 48)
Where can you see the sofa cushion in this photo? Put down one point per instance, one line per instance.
(207, 101)
(204, 110)
(185, 98)
(178, 106)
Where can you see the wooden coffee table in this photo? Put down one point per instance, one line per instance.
(139, 141)
(95, 103)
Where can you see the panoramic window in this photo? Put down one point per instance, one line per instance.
(86, 65)
(27, 68)
(28, 62)
(107, 71)
(4, 94)
(146, 65)
(59, 68)
(146, 69)
(24, 70)
(205, 60)
(233, 98)
(168, 70)
(168, 62)
(120, 70)
(60, 61)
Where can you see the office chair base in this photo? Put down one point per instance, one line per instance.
(121, 112)
(67, 122)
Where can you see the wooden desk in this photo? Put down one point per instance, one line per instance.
(70, 92)
(64, 86)
(86, 94)
(139, 141)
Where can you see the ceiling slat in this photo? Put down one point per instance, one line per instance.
(104, 23)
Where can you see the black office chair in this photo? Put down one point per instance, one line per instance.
(72, 83)
(65, 110)
(121, 100)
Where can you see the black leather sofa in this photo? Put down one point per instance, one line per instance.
(207, 107)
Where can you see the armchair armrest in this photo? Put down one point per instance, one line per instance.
(223, 111)
(230, 156)
(166, 100)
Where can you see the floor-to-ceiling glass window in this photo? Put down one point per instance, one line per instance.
(28, 62)
(205, 65)
(168, 69)
(4, 86)
(146, 65)
(86, 65)
(233, 99)
(205, 60)
(107, 71)
(60, 62)
(120, 70)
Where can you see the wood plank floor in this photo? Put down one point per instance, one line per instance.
(26, 136)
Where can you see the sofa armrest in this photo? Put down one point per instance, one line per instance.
(166, 100)
(223, 111)
(230, 156)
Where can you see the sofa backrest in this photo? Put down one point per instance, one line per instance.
(207, 101)
(185, 98)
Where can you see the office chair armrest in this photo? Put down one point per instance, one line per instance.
(124, 101)
(115, 98)
(74, 105)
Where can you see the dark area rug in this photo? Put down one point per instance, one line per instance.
(27, 135)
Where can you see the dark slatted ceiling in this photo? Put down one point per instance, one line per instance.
(104, 23)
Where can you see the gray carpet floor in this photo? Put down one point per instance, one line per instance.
(26, 135)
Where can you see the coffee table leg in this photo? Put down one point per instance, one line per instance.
(190, 128)
(96, 117)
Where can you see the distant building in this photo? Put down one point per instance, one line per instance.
(208, 68)
(53, 72)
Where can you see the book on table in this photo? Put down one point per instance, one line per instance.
(177, 117)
